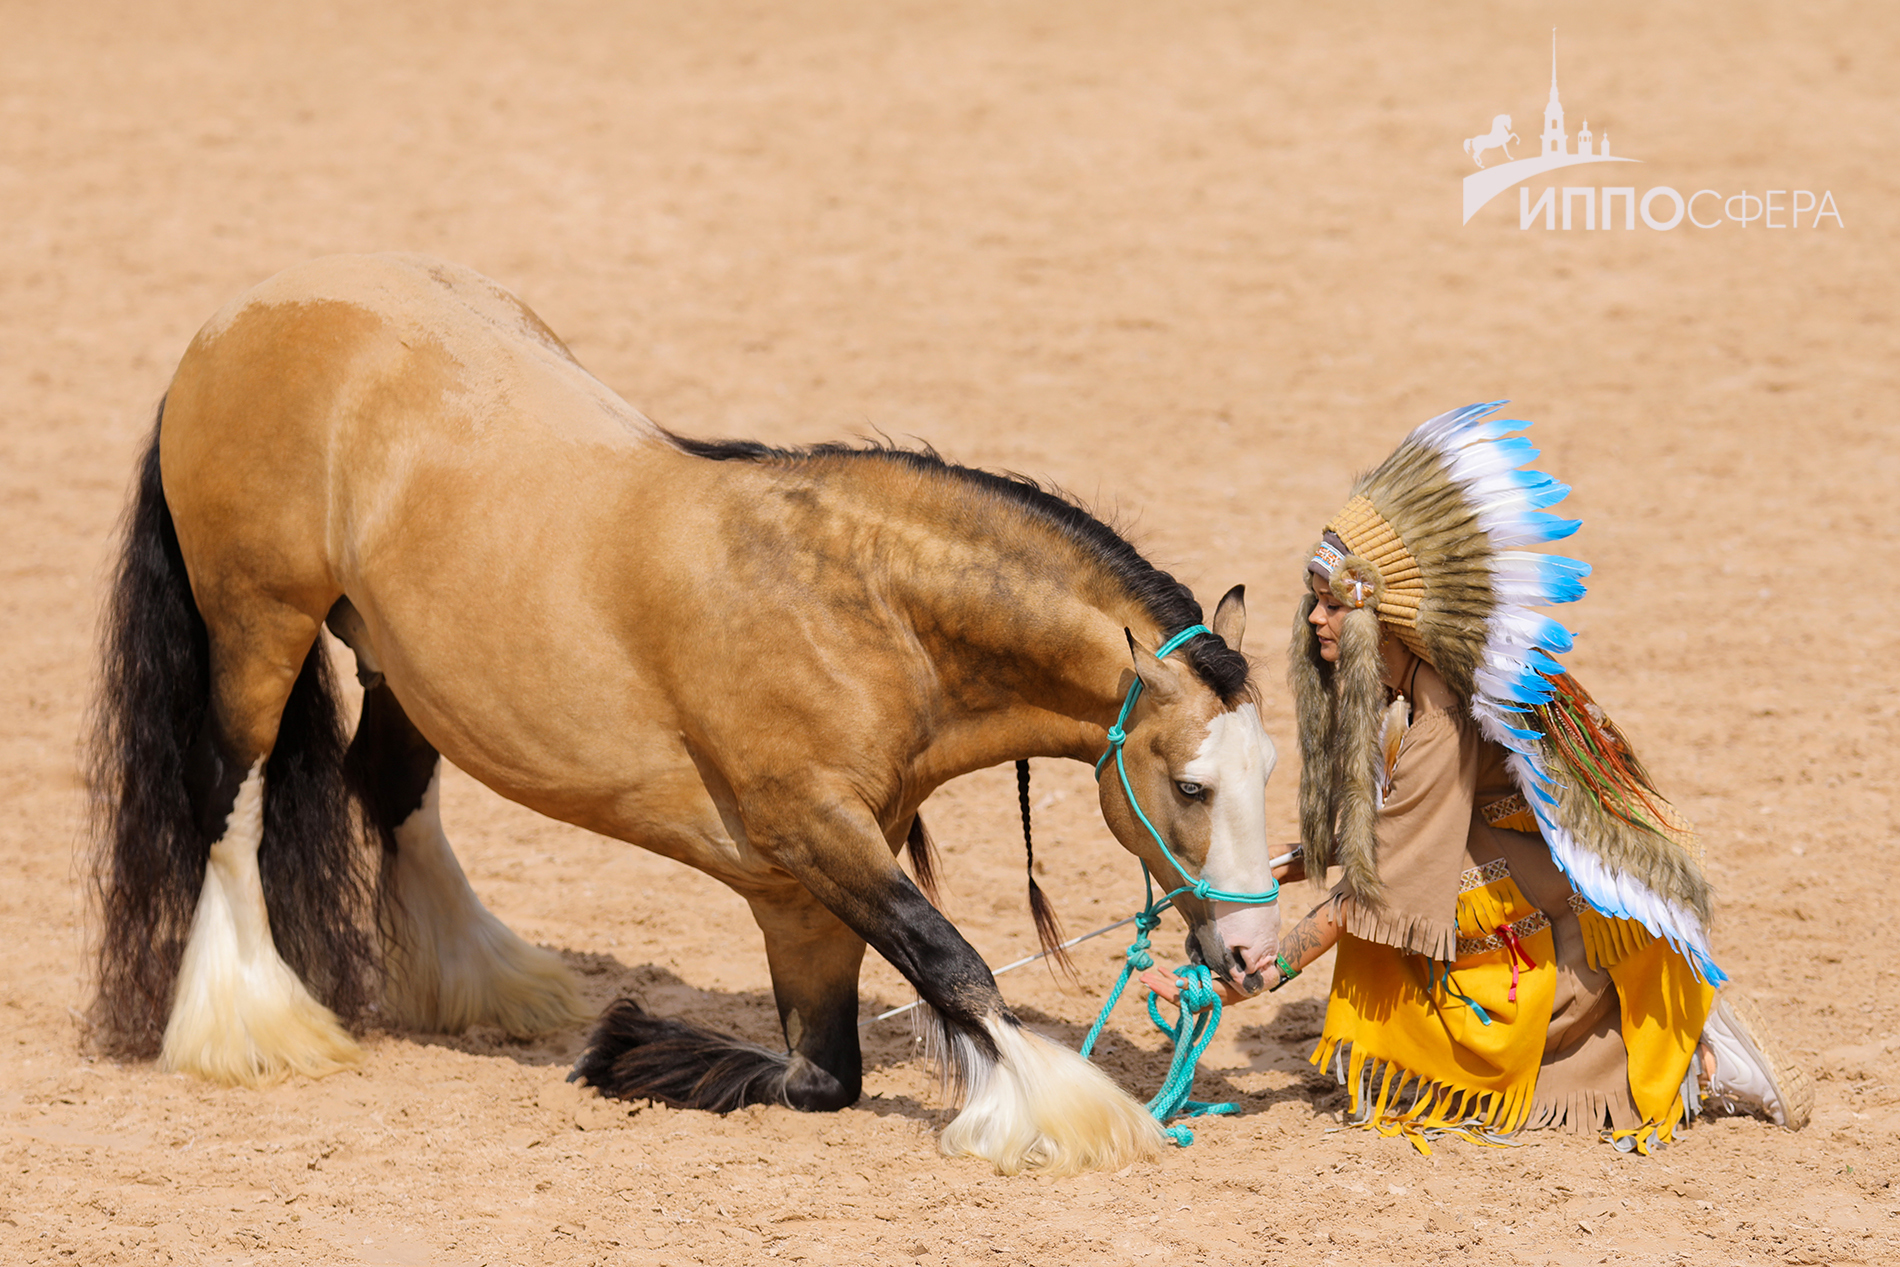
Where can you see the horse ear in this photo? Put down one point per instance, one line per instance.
(1230, 617)
(1157, 676)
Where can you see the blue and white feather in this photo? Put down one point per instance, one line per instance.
(1485, 459)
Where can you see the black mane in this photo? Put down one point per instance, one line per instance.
(1170, 603)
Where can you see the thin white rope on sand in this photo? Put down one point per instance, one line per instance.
(1280, 861)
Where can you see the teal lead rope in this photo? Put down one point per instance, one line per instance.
(1191, 1032)
(1200, 1007)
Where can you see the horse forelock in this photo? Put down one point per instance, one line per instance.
(1168, 602)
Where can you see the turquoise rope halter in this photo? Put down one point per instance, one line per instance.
(1193, 1030)
(1117, 739)
(1200, 1006)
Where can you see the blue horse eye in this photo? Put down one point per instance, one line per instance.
(1193, 791)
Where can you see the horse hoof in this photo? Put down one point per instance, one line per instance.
(257, 1039)
(1044, 1109)
(811, 1089)
(495, 978)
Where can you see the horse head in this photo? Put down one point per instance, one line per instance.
(1184, 790)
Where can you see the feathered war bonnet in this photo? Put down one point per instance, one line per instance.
(1425, 546)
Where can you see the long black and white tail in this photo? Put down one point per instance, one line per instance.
(150, 850)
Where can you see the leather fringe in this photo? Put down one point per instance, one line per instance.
(1404, 1103)
(1436, 939)
(1577, 1113)
(1608, 941)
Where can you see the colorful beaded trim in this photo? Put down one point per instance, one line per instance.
(1535, 922)
(1512, 805)
(1490, 873)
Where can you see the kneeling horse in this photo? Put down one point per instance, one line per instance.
(756, 661)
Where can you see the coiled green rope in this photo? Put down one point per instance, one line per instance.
(1192, 1031)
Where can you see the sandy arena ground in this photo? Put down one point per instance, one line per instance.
(1197, 263)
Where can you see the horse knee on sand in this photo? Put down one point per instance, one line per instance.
(756, 661)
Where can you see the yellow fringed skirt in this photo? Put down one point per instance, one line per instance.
(1425, 1048)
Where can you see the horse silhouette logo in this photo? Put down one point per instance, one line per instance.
(1498, 138)
(1559, 149)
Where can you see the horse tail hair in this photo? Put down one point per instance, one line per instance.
(153, 695)
(149, 852)
(1041, 909)
(923, 858)
(320, 860)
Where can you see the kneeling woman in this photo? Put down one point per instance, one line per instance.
(1522, 920)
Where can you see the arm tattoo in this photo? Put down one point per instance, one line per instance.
(1310, 938)
(1302, 945)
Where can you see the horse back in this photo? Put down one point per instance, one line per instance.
(564, 601)
(406, 433)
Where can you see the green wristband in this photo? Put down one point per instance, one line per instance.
(1287, 971)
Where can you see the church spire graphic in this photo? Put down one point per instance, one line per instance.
(1555, 142)
(1493, 179)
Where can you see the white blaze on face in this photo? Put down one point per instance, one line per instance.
(1234, 763)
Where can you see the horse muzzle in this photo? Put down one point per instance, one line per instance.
(1243, 965)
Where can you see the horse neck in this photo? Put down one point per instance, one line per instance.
(1018, 622)
(1027, 647)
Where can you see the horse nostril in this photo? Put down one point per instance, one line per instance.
(1240, 965)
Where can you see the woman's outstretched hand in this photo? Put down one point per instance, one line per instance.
(1310, 938)
(1163, 982)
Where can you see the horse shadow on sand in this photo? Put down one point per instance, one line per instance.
(1130, 1050)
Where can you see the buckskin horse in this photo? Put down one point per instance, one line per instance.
(756, 661)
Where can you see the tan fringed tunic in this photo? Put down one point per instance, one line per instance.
(1483, 995)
